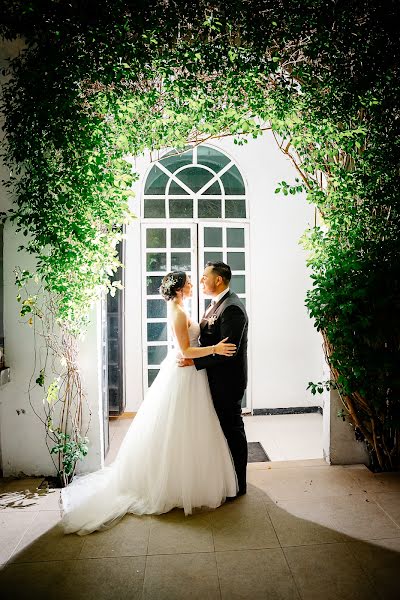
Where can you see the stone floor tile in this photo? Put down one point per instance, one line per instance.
(295, 464)
(243, 527)
(31, 581)
(121, 424)
(173, 533)
(390, 503)
(302, 525)
(374, 483)
(359, 517)
(13, 484)
(303, 482)
(328, 572)
(112, 455)
(246, 506)
(380, 560)
(288, 464)
(253, 492)
(255, 575)
(29, 500)
(129, 537)
(119, 578)
(45, 541)
(13, 525)
(181, 576)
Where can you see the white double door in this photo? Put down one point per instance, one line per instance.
(183, 246)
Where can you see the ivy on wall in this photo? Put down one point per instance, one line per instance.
(98, 81)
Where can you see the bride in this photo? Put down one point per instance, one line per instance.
(174, 454)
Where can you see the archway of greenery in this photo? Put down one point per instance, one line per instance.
(99, 80)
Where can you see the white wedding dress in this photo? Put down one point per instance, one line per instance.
(173, 455)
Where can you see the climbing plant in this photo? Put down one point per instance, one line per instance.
(97, 82)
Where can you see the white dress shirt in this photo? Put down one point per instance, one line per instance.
(216, 299)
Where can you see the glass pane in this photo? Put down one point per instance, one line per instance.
(156, 309)
(213, 237)
(154, 209)
(213, 190)
(209, 209)
(181, 208)
(153, 283)
(213, 257)
(113, 352)
(156, 182)
(113, 373)
(233, 182)
(157, 332)
(238, 284)
(235, 209)
(156, 238)
(173, 161)
(236, 261)
(151, 375)
(180, 261)
(180, 238)
(235, 237)
(176, 190)
(113, 301)
(188, 303)
(211, 158)
(156, 261)
(195, 177)
(112, 327)
(156, 354)
(113, 398)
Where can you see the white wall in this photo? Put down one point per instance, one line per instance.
(22, 435)
(286, 351)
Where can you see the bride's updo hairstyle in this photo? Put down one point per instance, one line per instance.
(171, 284)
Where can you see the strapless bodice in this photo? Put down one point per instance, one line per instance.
(194, 332)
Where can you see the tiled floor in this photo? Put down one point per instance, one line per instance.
(305, 531)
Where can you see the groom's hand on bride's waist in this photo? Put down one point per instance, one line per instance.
(184, 362)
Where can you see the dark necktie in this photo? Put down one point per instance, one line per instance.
(209, 309)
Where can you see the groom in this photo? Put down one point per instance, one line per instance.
(227, 375)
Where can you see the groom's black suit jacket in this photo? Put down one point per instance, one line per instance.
(227, 375)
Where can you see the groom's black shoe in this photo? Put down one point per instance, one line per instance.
(241, 492)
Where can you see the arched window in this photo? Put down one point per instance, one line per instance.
(194, 211)
(199, 183)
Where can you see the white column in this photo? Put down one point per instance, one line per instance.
(339, 444)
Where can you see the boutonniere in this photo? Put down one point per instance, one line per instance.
(211, 320)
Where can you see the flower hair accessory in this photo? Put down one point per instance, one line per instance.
(169, 282)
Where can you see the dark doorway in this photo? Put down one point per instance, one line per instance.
(116, 342)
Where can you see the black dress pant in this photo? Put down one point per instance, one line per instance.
(230, 418)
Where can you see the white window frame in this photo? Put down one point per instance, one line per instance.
(197, 226)
(167, 225)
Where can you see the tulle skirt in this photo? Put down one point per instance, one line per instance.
(173, 455)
